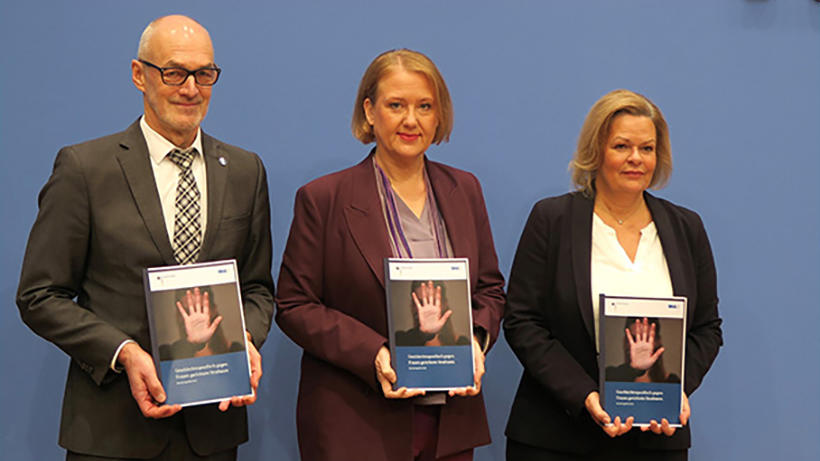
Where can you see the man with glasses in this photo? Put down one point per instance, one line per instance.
(161, 192)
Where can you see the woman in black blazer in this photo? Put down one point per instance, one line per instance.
(578, 243)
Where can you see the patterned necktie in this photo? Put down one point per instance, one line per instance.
(187, 227)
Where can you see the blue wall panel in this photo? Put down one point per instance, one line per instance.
(737, 80)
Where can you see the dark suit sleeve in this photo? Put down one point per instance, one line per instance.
(527, 325)
(704, 336)
(488, 295)
(255, 267)
(53, 271)
(322, 331)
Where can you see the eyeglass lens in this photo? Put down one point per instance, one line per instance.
(176, 76)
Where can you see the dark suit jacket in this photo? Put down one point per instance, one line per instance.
(331, 302)
(549, 322)
(100, 224)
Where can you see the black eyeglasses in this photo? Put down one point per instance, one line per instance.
(177, 76)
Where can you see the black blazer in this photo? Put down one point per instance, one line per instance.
(100, 224)
(549, 323)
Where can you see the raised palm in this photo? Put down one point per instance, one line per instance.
(642, 353)
(196, 315)
(428, 307)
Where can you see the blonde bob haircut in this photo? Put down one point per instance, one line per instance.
(411, 61)
(594, 134)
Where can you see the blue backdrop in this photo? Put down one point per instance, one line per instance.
(739, 83)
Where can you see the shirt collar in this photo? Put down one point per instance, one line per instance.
(159, 147)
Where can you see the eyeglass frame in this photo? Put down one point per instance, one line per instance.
(188, 73)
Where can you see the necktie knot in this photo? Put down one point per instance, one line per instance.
(182, 158)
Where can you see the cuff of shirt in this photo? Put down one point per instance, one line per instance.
(113, 365)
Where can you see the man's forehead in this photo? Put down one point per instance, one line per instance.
(184, 58)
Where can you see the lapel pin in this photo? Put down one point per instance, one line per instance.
(223, 161)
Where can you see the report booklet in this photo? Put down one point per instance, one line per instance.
(642, 342)
(430, 322)
(197, 327)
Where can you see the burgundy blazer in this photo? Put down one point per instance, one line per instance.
(331, 302)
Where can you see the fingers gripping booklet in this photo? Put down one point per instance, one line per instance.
(429, 315)
(197, 327)
(642, 343)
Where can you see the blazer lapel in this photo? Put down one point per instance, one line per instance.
(216, 172)
(671, 247)
(136, 166)
(581, 244)
(455, 211)
(364, 218)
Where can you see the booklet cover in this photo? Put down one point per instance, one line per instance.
(429, 315)
(642, 343)
(197, 327)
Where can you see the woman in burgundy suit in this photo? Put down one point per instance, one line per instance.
(331, 299)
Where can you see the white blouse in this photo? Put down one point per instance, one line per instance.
(613, 273)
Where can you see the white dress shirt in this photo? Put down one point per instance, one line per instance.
(166, 174)
(614, 274)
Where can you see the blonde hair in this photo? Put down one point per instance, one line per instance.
(411, 61)
(594, 133)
